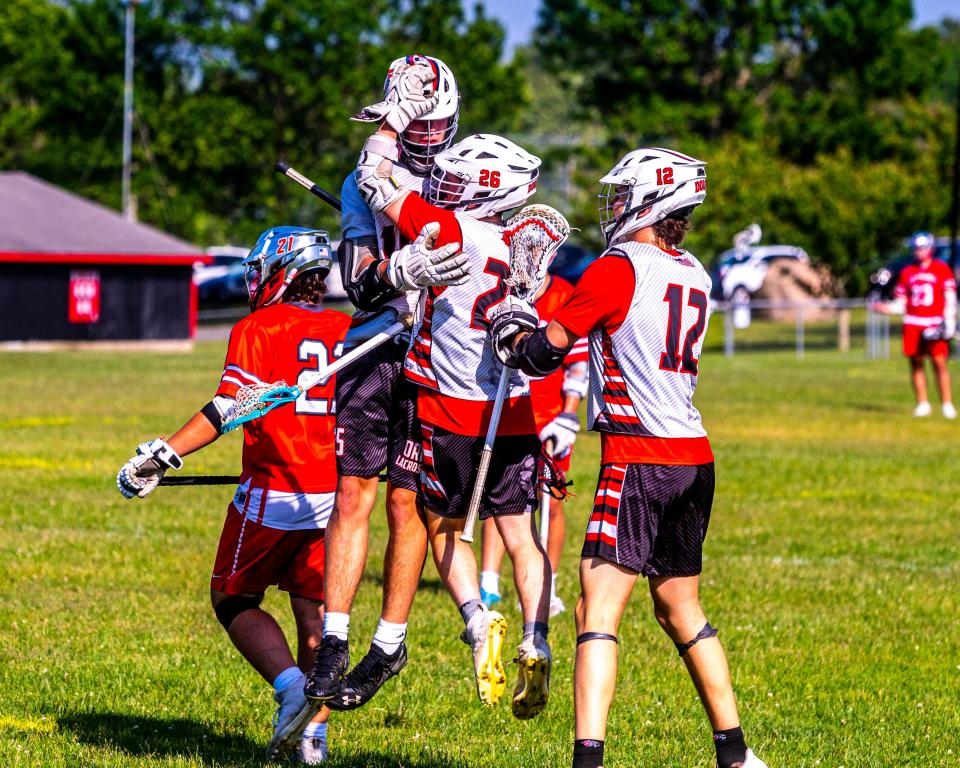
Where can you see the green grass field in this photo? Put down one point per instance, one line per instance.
(831, 571)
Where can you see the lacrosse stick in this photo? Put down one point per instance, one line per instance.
(533, 235)
(184, 480)
(545, 497)
(255, 400)
(303, 181)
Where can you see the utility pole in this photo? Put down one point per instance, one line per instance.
(129, 212)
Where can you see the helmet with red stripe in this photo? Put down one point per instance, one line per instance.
(427, 137)
(646, 186)
(280, 255)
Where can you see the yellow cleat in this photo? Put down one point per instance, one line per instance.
(533, 682)
(485, 634)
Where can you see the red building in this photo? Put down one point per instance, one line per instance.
(73, 270)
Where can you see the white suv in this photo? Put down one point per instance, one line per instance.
(739, 272)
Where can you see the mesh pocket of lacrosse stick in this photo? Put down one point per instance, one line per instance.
(533, 234)
(255, 400)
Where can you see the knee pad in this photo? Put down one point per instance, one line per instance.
(703, 634)
(586, 637)
(232, 606)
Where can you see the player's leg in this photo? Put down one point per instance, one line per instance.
(918, 380)
(308, 614)
(253, 632)
(605, 588)
(491, 559)
(555, 539)
(943, 382)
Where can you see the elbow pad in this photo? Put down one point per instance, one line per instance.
(537, 356)
(366, 291)
(576, 381)
(218, 411)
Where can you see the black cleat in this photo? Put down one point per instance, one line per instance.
(364, 680)
(333, 658)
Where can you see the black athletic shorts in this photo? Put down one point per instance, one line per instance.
(450, 463)
(377, 418)
(651, 518)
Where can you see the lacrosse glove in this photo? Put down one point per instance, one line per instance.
(563, 432)
(139, 476)
(509, 318)
(410, 95)
(422, 264)
(935, 332)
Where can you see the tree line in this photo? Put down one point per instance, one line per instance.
(830, 124)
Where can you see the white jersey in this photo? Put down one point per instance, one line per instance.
(451, 348)
(357, 220)
(643, 374)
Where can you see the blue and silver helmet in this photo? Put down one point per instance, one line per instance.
(922, 240)
(281, 255)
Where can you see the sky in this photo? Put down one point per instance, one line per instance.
(519, 17)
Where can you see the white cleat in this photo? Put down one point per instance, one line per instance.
(922, 409)
(312, 750)
(485, 634)
(752, 761)
(533, 682)
(292, 715)
(949, 412)
(556, 606)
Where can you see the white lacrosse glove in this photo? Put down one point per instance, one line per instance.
(410, 95)
(421, 264)
(509, 318)
(140, 475)
(935, 332)
(949, 329)
(563, 432)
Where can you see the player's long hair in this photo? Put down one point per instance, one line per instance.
(306, 289)
(673, 229)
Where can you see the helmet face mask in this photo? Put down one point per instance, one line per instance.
(427, 137)
(646, 186)
(282, 254)
(483, 175)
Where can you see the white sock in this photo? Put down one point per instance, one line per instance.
(336, 624)
(553, 587)
(314, 730)
(389, 636)
(490, 582)
(288, 677)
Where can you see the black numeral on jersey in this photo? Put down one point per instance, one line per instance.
(672, 359)
(495, 295)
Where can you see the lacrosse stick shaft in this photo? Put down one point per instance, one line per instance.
(303, 181)
(354, 354)
(183, 480)
(545, 497)
(473, 511)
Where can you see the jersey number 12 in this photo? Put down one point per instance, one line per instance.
(673, 359)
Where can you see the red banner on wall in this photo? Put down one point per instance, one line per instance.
(84, 296)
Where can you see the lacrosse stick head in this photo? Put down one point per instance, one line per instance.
(533, 234)
(254, 400)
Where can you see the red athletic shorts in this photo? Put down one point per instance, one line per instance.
(914, 344)
(252, 557)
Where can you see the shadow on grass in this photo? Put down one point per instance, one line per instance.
(426, 584)
(394, 758)
(154, 736)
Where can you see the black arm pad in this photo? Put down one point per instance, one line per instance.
(537, 356)
(368, 292)
(212, 414)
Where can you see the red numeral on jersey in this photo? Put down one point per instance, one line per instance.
(664, 176)
(489, 179)
(487, 299)
(672, 360)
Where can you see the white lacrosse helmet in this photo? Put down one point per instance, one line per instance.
(429, 135)
(483, 175)
(647, 185)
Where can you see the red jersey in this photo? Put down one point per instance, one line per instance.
(924, 289)
(546, 393)
(291, 449)
(646, 311)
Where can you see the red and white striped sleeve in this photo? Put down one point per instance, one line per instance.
(247, 359)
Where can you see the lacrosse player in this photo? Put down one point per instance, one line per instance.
(644, 306)
(376, 417)
(926, 295)
(471, 186)
(274, 528)
(556, 399)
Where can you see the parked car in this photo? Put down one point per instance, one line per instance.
(739, 272)
(571, 262)
(884, 280)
